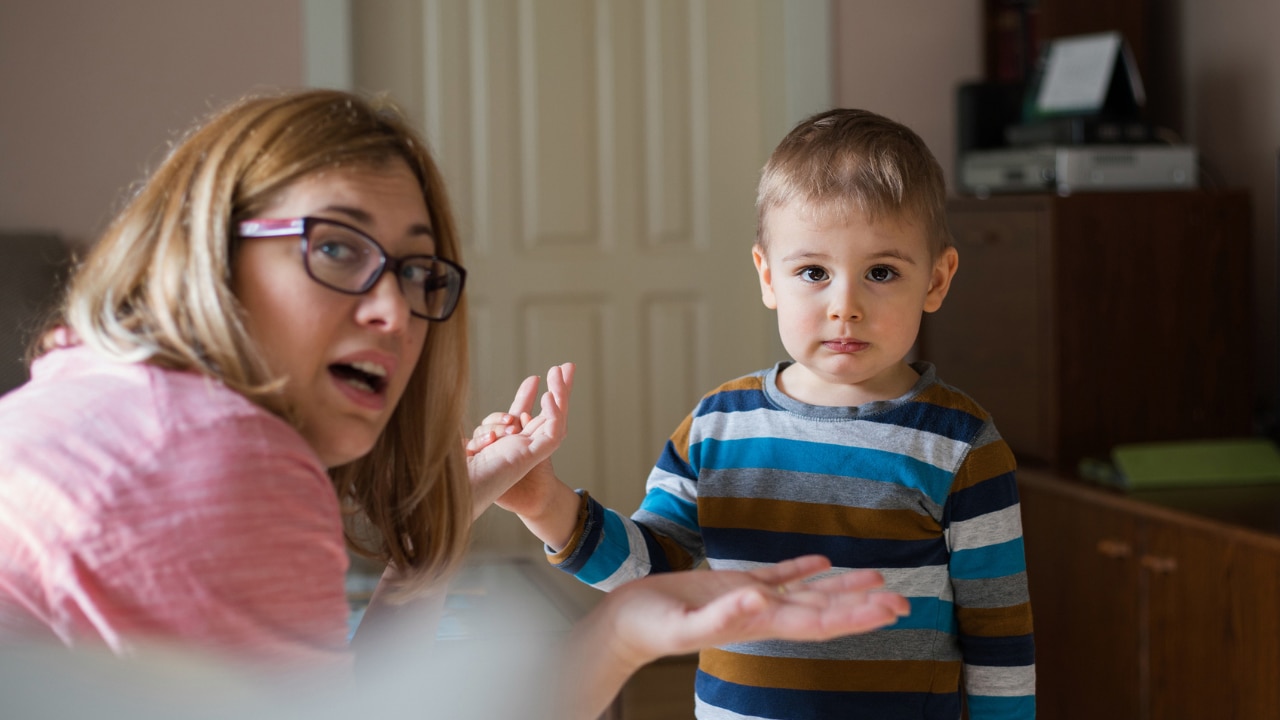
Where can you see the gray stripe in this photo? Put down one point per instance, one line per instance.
(688, 539)
(773, 484)
(1001, 681)
(994, 593)
(878, 645)
(990, 529)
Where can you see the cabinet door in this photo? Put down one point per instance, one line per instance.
(1255, 628)
(991, 337)
(1082, 570)
(1190, 628)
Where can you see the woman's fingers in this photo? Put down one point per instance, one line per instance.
(523, 402)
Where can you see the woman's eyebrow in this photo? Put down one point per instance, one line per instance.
(364, 217)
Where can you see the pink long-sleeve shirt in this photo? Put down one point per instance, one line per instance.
(146, 506)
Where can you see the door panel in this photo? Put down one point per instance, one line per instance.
(602, 156)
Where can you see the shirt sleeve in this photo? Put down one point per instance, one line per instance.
(608, 549)
(230, 541)
(989, 580)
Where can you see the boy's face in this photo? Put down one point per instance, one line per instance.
(849, 297)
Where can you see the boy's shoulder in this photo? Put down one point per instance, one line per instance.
(947, 411)
(934, 391)
(746, 392)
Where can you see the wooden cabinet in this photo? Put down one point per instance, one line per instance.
(1144, 613)
(1086, 321)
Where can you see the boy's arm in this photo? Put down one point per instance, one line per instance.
(514, 445)
(988, 576)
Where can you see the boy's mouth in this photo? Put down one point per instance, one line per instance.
(845, 346)
(364, 376)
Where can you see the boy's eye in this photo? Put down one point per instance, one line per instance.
(881, 273)
(813, 274)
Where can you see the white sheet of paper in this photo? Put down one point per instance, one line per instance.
(1078, 72)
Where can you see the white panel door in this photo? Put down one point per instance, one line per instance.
(602, 157)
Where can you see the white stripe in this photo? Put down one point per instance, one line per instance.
(927, 447)
(990, 529)
(637, 563)
(672, 484)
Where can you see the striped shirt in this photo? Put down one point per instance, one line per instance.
(920, 488)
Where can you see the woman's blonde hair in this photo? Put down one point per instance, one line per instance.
(846, 161)
(157, 289)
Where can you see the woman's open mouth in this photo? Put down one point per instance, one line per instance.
(363, 376)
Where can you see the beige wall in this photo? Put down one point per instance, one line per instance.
(904, 59)
(1230, 80)
(1219, 65)
(91, 93)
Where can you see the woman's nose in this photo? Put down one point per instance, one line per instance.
(384, 304)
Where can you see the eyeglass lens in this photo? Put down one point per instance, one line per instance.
(349, 261)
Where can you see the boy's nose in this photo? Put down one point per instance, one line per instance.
(845, 305)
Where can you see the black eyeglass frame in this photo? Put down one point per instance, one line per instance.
(302, 227)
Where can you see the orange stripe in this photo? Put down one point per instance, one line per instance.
(832, 675)
(942, 397)
(996, 622)
(680, 438)
(990, 460)
(747, 382)
(676, 555)
(815, 518)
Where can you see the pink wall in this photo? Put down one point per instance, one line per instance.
(93, 91)
(904, 59)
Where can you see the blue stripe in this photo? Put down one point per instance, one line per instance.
(590, 538)
(682, 512)
(989, 706)
(997, 493)
(948, 422)
(823, 459)
(993, 561)
(671, 462)
(609, 554)
(928, 613)
(727, 401)
(849, 552)
(824, 704)
(658, 560)
(1005, 651)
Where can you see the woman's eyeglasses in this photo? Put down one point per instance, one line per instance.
(342, 258)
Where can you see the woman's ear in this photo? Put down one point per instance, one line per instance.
(944, 268)
(766, 277)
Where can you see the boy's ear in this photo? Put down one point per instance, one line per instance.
(766, 277)
(944, 268)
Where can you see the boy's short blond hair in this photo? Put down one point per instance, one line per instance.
(847, 161)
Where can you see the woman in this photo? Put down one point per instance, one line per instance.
(265, 357)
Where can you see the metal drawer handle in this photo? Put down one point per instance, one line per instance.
(1158, 564)
(1115, 549)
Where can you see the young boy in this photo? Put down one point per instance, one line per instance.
(847, 450)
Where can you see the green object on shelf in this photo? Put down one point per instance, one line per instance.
(1244, 461)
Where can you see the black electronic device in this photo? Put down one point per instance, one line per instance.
(1087, 91)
